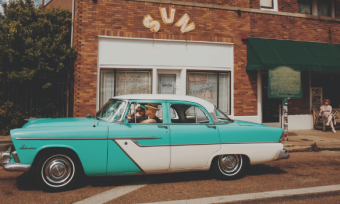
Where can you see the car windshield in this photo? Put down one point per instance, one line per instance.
(221, 116)
(113, 110)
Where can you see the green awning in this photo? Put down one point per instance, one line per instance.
(267, 54)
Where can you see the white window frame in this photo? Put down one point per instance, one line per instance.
(275, 6)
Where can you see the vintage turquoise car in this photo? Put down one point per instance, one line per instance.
(141, 134)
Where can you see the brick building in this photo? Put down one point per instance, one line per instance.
(135, 46)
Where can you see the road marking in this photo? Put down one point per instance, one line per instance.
(112, 194)
(251, 196)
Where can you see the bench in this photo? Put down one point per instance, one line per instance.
(319, 122)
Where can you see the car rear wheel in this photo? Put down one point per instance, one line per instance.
(229, 166)
(57, 172)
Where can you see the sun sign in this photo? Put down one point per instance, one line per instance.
(150, 23)
(154, 26)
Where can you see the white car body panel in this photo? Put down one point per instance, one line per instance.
(192, 156)
(147, 158)
(257, 153)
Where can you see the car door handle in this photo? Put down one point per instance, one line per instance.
(211, 126)
(163, 126)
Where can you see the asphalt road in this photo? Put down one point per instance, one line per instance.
(303, 169)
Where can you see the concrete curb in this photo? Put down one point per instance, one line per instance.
(4, 146)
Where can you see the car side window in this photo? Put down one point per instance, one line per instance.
(173, 114)
(145, 113)
(188, 114)
(201, 116)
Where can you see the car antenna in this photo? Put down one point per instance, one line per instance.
(94, 120)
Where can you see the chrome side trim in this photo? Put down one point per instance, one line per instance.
(248, 142)
(15, 157)
(134, 138)
(138, 144)
(174, 145)
(5, 155)
(282, 154)
(130, 157)
(61, 138)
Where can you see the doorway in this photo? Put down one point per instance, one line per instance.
(167, 84)
(271, 107)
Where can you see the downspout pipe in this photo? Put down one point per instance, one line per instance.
(72, 27)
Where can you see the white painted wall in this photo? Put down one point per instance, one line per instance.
(165, 56)
(147, 53)
(295, 122)
(300, 122)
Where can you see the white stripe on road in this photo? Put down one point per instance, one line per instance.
(112, 194)
(251, 196)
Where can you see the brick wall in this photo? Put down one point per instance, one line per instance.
(236, 3)
(290, 28)
(66, 4)
(124, 18)
(254, 4)
(290, 6)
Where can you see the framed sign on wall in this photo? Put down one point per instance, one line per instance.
(316, 96)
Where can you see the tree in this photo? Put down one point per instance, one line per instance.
(36, 59)
(35, 43)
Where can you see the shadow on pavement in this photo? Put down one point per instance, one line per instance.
(263, 169)
(26, 182)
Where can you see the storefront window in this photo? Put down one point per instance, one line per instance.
(116, 82)
(324, 7)
(167, 83)
(213, 87)
(305, 6)
(323, 86)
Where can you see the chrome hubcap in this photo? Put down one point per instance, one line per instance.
(230, 164)
(58, 170)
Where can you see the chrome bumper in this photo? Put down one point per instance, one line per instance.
(282, 154)
(14, 167)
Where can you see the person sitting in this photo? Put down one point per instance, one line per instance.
(326, 111)
(141, 112)
(150, 111)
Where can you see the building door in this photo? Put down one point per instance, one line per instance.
(167, 83)
(271, 107)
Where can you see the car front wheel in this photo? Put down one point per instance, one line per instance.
(229, 166)
(57, 172)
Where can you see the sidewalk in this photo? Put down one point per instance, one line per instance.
(301, 140)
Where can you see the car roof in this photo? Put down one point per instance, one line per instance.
(170, 97)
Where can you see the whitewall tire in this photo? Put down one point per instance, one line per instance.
(57, 171)
(229, 166)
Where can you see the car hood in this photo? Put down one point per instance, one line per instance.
(59, 122)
